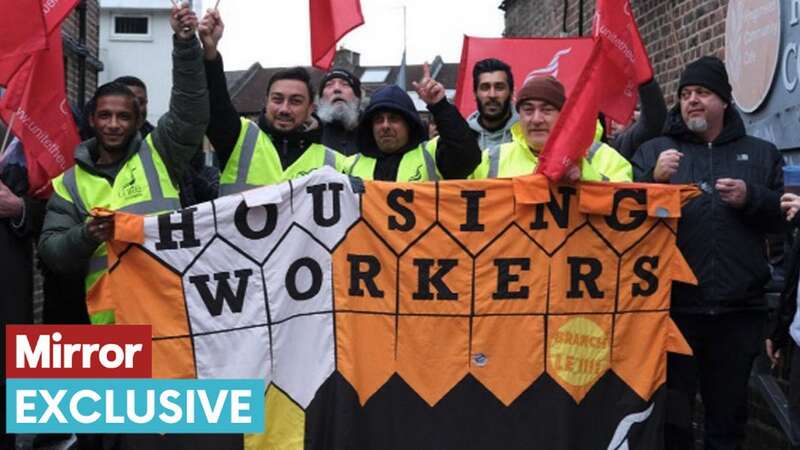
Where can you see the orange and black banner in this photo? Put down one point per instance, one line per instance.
(458, 314)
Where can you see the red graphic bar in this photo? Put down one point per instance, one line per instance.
(78, 351)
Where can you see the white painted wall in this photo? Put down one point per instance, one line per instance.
(148, 58)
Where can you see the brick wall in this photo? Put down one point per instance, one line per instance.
(71, 29)
(675, 32)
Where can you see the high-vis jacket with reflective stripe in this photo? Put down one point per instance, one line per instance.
(142, 186)
(255, 161)
(601, 163)
(417, 164)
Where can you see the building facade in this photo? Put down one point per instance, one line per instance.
(136, 39)
(764, 65)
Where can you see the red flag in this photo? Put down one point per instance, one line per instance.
(625, 60)
(48, 15)
(573, 133)
(9, 66)
(42, 118)
(563, 58)
(55, 11)
(330, 21)
(23, 28)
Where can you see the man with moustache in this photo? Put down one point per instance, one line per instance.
(722, 236)
(339, 109)
(493, 84)
(285, 143)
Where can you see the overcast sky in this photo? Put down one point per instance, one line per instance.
(275, 32)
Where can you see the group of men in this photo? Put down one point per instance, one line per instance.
(130, 165)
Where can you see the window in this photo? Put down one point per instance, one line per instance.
(130, 28)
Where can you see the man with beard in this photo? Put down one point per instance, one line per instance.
(493, 84)
(394, 145)
(286, 141)
(117, 169)
(722, 236)
(339, 110)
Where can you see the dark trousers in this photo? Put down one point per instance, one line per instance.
(724, 348)
(794, 393)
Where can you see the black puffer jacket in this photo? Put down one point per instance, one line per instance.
(724, 246)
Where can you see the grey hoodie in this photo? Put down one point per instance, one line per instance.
(491, 139)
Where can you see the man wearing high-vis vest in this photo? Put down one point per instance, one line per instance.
(539, 105)
(393, 144)
(120, 170)
(286, 141)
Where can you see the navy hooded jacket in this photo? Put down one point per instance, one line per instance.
(457, 153)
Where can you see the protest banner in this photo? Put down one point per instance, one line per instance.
(469, 314)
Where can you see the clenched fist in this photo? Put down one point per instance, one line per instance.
(667, 165)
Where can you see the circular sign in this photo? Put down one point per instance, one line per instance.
(579, 351)
(752, 45)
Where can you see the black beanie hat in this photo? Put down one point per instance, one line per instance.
(345, 75)
(709, 72)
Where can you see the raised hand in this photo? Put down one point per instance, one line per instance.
(211, 30)
(428, 89)
(183, 20)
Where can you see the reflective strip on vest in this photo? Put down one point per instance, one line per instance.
(355, 162)
(494, 162)
(157, 203)
(150, 172)
(245, 162)
(71, 184)
(330, 158)
(430, 164)
(590, 155)
(246, 155)
(153, 206)
(593, 151)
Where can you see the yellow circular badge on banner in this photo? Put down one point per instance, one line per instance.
(579, 351)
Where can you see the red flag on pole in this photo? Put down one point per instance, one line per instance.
(608, 83)
(562, 58)
(55, 11)
(330, 21)
(23, 28)
(42, 118)
(625, 58)
(573, 133)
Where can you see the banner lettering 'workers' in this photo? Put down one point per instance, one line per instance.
(398, 294)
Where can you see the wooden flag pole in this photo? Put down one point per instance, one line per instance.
(8, 133)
